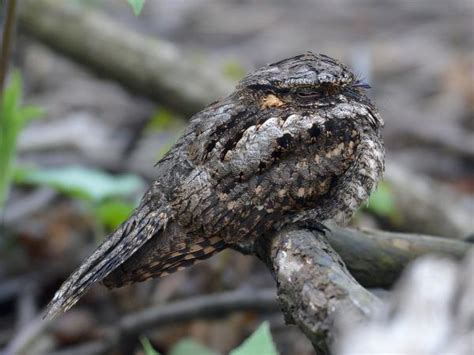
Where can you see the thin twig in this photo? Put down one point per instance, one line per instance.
(25, 336)
(8, 31)
(200, 307)
(26, 305)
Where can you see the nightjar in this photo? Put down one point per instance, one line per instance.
(298, 142)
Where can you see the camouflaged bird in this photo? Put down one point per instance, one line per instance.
(298, 142)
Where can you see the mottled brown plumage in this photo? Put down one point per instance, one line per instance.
(298, 142)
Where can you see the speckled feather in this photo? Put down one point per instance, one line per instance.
(297, 142)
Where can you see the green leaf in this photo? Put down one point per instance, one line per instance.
(13, 117)
(111, 213)
(260, 342)
(88, 184)
(12, 94)
(137, 6)
(28, 113)
(189, 346)
(382, 202)
(147, 347)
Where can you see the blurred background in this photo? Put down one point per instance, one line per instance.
(112, 91)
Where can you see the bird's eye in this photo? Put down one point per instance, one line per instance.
(309, 94)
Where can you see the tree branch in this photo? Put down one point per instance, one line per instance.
(377, 258)
(145, 65)
(314, 285)
(199, 307)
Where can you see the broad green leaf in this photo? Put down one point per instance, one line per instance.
(88, 184)
(137, 6)
(111, 213)
(189, 346)
(147, 347)
(382, 202)
(260, 342)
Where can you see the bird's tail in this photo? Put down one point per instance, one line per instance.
(152, 261)
(148, 219)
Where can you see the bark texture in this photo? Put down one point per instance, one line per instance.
(314, 285)
(377, 258)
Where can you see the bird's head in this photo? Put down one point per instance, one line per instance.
(307, 81)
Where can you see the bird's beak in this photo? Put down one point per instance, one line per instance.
(361, 84)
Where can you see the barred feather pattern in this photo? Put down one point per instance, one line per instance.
(298, 142)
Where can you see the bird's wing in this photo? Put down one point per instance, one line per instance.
(147, 221)
(247, 143)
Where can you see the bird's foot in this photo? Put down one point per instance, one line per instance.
(314, 226)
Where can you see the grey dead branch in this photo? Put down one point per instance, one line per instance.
(317, 278)
(315, 289)
(145, 65)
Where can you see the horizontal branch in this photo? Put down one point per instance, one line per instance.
(145, 65)
(377, 258)
(215, 305)
(313, 284)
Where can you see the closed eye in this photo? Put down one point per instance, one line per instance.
(309, 94)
